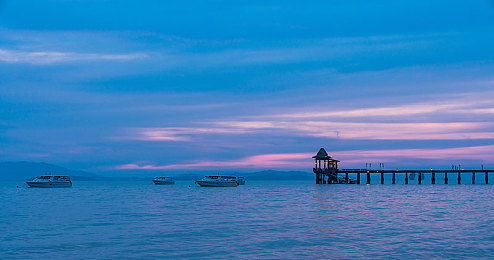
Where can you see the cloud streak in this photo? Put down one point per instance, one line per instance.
(275, 161)
(53, 57)
(324, 129)
(462, 120)
(348, 158)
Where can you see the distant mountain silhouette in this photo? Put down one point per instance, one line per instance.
(260, 175)
(25, 170)
(277, 175)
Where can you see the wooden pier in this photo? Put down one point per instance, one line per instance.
(327, 172)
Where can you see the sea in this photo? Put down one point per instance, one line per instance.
(259, 220)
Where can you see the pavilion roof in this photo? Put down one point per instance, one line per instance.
(323, 155)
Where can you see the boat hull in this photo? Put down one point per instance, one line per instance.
(216, 184)
(157, 182)
(34, 184)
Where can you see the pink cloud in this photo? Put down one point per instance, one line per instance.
(348, 158)
(326, 129)
(270, 161)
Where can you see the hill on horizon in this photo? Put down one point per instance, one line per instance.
(22, 170)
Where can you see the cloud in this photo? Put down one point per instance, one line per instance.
(274, 161)
(459, 119)
(178, 133)
(326, 129)
(51, 57)
(347, 158)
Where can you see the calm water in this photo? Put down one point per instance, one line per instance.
(291, 220)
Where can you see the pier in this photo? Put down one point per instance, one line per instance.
(327, 172)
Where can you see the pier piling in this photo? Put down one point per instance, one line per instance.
(446, 178)
(406, 177)
(382, 178)
(459, 177)
(346, 177)
(394, 178)
(358, 178)
(473, 178)
(368, 177)
(486, 178)
(433, 178)
(420, 178)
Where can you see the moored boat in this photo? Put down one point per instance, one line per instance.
(163, 180)
(217, 181)
(50, 181)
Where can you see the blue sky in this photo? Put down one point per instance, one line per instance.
(131, 87)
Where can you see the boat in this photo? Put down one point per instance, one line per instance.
(163, 180)
(217, 181)
(50, 181)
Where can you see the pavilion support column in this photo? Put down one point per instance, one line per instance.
(368, 177)
(433, 178)
(486, 178)
(394, 178)
(473, 177)
(459, 177)
(420, 178)
(358, 177)
(445, 177)
(406, 177)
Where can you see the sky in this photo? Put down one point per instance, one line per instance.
(127, 87)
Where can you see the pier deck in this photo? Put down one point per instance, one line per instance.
(327, 172)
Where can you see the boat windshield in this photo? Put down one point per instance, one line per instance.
(44, 177)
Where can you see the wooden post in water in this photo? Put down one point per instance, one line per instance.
(473, 177)
(459, 177)
(433, 178)
(394, 178)
(346, 177)
(420, 178)
(406, 177)
(382, 178)
(358, 177)
(445, 177)
(368, 177)
(486, 178)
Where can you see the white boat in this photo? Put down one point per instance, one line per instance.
(50, 181)
(163, 180)
(217, 181)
